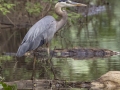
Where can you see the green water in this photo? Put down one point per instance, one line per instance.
(103, 31)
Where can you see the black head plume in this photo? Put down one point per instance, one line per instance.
(62, 0)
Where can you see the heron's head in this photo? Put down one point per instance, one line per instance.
(68, 3)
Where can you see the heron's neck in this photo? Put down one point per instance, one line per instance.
(63, 15)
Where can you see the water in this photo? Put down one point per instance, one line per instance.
(98, 31)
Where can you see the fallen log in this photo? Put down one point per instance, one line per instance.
(108, 81)
(47, 84)
(77, 53)
(81, 53)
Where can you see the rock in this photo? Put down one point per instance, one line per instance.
(109, 80)
(113, 76)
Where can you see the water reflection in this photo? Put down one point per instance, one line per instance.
(99, 31)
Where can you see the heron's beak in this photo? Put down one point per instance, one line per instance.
(76, 4)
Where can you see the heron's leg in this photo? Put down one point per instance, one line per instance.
(50, 61)
(34, 72)
(48, 49)
(34, 62)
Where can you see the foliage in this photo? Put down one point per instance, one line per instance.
(5, 7)
(73, 17)
(54, 15)
(7, 87)
(5, 57)
(33, 8)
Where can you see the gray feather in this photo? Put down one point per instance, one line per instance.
(39, 34)
(22, 49)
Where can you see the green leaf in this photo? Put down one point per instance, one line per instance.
(35, 9)
(5, 7)
(7, 87)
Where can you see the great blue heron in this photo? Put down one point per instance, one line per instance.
(43, 31)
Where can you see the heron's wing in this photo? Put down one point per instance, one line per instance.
(42, 26)
(40, 33)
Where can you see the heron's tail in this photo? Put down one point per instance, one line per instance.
(22, 49)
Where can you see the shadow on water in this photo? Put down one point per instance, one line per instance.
(97, 35)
